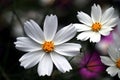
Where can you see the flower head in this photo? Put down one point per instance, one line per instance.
(47, 47)
(98, 24)
(91, 66)
(113, 61)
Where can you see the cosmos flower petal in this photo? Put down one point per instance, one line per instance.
(84, 18)
(107, 15)
(50, 27)
(116, 38)
(30, 59)
(81, 27)
(112, 70)
(87, 74)
(96, 13)
(95, 37)
(84, 35)
(45, 66)
(33, 30)
(113, 52)
(107, 61)
(96, 68)
(60, 62)
(119, 73)
(94, 59)
(26, 44)
(105, 31)
(64, 34)
(90, 66)
(68, 49)
(112, 22)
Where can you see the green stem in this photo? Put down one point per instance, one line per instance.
(18, 18)
(71, 59)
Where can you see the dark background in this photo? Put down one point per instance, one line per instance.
(13, 13)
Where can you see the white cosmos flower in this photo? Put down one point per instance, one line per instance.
(47, 47)
(113, 61)
(98, 24)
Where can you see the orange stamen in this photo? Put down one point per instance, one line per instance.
(48, 46)
(96, 26)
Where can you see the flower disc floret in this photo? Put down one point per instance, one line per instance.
(96, 27)
(118, 63)
(48, 46)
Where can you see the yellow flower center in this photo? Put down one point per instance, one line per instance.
(48, 46)
(96, 26)
(118, 63)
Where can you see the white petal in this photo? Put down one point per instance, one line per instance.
(95, 37)
(84, 35)
(107, 61)
(68, 49)
(30, 59)
(119, 73)
(107, 15)
(60, 62)
(81, 27)
(26, 44)
(50, 27)
(84, 18)
(112, 22)
(33, 30)
(64, 34)
(116, 38)
(105, 31)
(45, 67)
(113, 52)
(112, 70)
(96, 13)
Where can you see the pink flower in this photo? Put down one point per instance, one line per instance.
(104, 43)
(91, 66)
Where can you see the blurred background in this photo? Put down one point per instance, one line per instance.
(13, 14)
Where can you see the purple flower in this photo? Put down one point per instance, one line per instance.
(91, 66)
(104, 43)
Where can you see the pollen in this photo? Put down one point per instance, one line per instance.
(118, 63)
(96, 27)
(48, 46)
